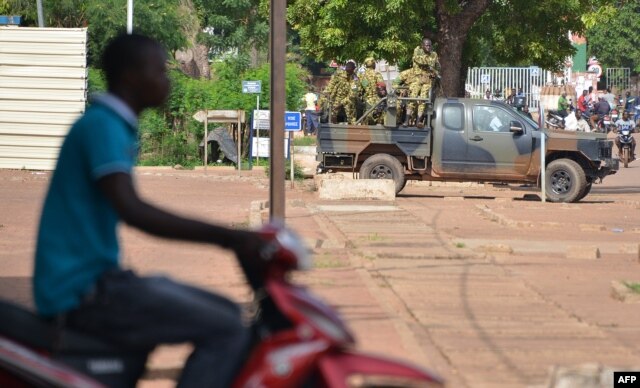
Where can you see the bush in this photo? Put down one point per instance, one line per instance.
(169, 135)
(298, 174)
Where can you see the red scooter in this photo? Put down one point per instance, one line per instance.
(298, 341)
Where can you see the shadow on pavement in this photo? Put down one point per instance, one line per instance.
(17, 289)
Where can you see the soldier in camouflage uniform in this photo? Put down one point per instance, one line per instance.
(368, 84)
(343, 91)
(427, 67)
(405, 80)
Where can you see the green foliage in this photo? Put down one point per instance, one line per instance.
(337, 29)
(614, 37)
(523, 33)
(305, 141)
(59, 13)
(233, 25)
(160, 19)
(4, 7)
(634, 287)
(96, 81)
(108, 18)
(298, 174)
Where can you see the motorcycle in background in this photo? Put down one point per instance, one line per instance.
(554, 120)
(625, 139)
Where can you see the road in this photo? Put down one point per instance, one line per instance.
(474, 282)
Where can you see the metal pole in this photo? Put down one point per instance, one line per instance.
(291, 175)
(543, 159)
(206, 140)
(277, 50)
(239, 139)
(129, 17)
(257, 128)
(40, 14)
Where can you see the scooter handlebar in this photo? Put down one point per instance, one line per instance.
(284, 249)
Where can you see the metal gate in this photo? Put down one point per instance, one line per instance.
(619, 78)
(500, 80)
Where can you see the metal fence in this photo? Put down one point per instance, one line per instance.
(500, 80)
(619, 78)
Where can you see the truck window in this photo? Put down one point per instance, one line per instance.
(491, 119)
(452, 116)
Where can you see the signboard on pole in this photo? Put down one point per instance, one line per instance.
(292, 121)
(260, 147)
(252, 87)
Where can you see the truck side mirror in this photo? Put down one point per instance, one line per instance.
(516, 128)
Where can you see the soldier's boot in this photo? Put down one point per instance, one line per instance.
(407, 116)
(420, 119)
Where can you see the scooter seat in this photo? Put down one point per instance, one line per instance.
(24, 326)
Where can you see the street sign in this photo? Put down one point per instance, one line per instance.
(485, 79)
(534, 71)
(292, 121)
(251, 86)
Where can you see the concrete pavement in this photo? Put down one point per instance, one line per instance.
(472, 282)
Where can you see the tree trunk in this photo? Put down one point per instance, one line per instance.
(451, 63)
(453, 27)
(194, 60)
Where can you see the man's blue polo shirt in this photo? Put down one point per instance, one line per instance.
(77, 238)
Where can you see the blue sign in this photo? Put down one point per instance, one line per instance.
(292, 121)
(251, 86)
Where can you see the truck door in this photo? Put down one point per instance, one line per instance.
(450, 141)
(499, 144)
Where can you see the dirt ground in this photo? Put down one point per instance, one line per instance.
(476, 282)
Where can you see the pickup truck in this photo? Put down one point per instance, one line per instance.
(467, 140)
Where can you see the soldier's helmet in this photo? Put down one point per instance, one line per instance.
(370, 63)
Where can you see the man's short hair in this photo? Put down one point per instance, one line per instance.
(124, 52)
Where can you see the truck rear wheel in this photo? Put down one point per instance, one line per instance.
(565, 181)
(383, 166)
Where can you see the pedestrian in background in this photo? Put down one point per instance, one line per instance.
(311, 111)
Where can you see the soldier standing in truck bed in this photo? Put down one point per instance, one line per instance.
(369, 81)
(426, 64)
(404, 82)
(342, 91)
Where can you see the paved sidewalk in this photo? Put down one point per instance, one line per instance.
(466, 281)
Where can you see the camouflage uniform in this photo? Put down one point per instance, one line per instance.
(378, 116)
(342, 92)
(407, 78)
(368, 81)
(426, 67)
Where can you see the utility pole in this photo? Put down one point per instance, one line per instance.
(277, 51)
(40, 13)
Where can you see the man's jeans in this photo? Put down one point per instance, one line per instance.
(147, 311)
(312, 121)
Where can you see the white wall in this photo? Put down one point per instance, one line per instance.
(43, 90)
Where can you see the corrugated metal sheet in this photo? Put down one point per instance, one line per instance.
(43, 79)
(32, 129)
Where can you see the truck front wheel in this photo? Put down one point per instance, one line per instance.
(383, 166)
(565, 181)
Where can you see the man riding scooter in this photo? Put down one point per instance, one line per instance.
(626, 123)
(600, 109)
(78, 279)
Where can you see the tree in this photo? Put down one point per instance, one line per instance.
(234, 25)
(614, 38)
(107, 18)
(531, 32)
